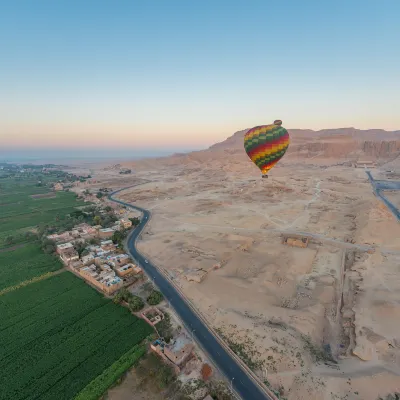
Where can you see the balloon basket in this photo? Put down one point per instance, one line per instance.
(265, 176)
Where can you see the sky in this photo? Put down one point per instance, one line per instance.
(176, 75)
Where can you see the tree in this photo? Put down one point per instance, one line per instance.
(109, 220)
(80, 247)
(155, 298)
(94, 241)
(118, 237)
(164, 328)
(108, 208)
(48, 246)
(122, 295)
(135, 303)
(9, 240)
(99, 195)
(97, 220)
(135, 221)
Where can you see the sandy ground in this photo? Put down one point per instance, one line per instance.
(216, 221)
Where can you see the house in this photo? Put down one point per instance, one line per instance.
(105, 267)
(58, 186)
(152, 316)
(107, 245)
(88, 259)
(158, 347)
(116, 227)
(60, 237)
(119, 259)
(178, 352)
(69, 256)
(75, 233)
(124, 270)
(180, 355)
(76, 265)
(125, 223)
(105, 280)
(106, 233)
(136, 269)
(61, 248)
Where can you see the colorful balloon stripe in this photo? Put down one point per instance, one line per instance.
(266, 145)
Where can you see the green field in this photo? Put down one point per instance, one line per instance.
(19, 211)
(23, 263)
(58, 335)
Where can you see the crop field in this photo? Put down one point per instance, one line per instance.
(23, 263)
(58, 335)
(20, 211)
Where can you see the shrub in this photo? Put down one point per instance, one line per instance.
(135, 303)
(155, 298)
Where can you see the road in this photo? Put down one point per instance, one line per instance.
(240, 381)
(378, 186)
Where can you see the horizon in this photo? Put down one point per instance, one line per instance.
(187, 75)
(18, 154)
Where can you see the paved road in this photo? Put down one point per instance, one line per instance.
(241, 382)
(378, 186)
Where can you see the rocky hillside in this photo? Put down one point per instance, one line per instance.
(328, 146)
(341, 144)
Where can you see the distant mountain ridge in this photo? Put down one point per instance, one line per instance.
(341, 143)
(326, 146)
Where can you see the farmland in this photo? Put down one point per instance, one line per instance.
(58, 335)
(19, 211)
(24, 263)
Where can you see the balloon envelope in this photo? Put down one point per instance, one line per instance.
(266, 145)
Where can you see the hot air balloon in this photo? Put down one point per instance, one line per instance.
(266, 145)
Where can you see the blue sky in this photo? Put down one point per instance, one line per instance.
(184, 74)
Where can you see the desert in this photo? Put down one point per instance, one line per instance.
(319, 321)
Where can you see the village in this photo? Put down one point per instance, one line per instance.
(103, 265)
(92, 253)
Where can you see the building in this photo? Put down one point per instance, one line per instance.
(76, 265)
(124, 270)
(136, 269)
(118, 260)
(58, 186)
(127, 269)
(158, 347)
(152, 315)
(61, 248)
(125, 223)
(365, 164)
(107, 245)
(179, 356)
(295, 241)
(177, 353)
(60, 238)
(106, 233)
(69, 255)
(105, 280)
(88, 259)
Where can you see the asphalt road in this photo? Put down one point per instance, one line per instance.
(378, 186)
(240, 381)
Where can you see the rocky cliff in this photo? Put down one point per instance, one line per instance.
(344, 143)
